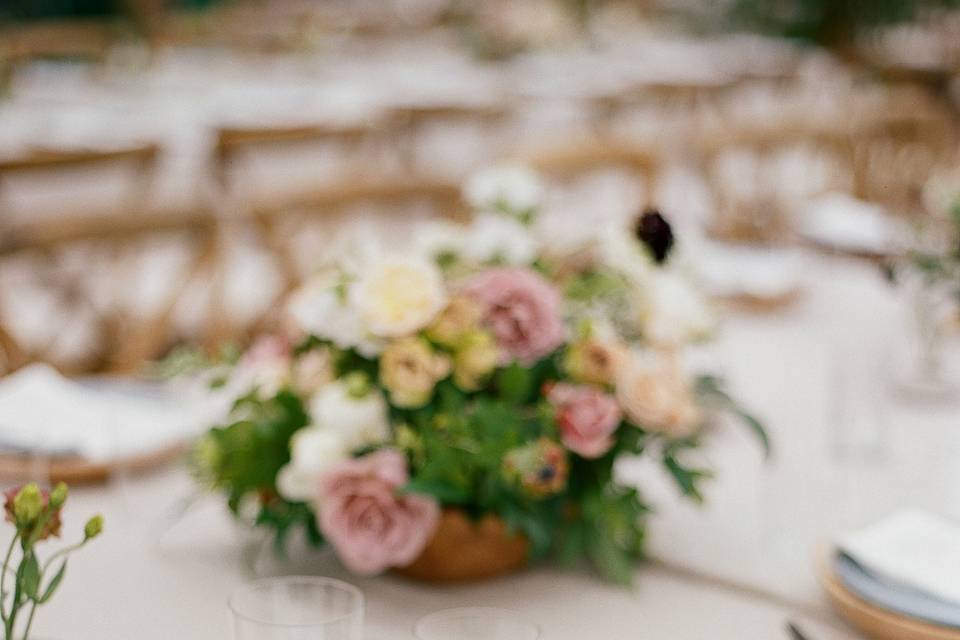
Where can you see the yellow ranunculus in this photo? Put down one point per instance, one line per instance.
(475, 360)
(410, 369)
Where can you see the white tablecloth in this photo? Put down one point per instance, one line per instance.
(800, 370)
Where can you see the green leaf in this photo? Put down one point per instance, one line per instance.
(54, 583)
(686, 479)
(710, 388)
(571, 545)
(515, 383)
(28, 576)
(613, 563)
(443, 493)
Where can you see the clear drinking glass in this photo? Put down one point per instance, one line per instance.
(297, 608)
(476, 623)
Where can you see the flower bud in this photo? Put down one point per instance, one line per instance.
(27, 505)
(58, 496)
(653, 230)
(93, 528)
(357, 384)
(475, 360)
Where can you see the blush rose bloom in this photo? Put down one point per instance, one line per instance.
(522, 310)
(587, 418)
(656, 395)
(372, 526)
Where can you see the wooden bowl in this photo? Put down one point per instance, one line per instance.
(465, 550)
(874, 622)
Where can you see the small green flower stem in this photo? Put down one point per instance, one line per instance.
(33, 610)
(7, 620)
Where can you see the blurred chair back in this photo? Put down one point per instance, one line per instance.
(48, 164)
(567, 162)
(107, 287)
(743, 168)
(76, 38)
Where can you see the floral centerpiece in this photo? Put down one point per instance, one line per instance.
(479, 372)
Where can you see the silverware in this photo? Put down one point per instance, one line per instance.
(795, 632)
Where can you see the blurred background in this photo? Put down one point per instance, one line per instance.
(170, 170)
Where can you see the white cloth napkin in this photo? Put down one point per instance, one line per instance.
(913, 549)
(43, 412)
(762, 273)
(841, 221)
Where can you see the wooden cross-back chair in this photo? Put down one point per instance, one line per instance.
(124, 340)
(51, 163)
(234, 143)
(763, 216)
(568, 161)
(407, 123)
(894, 153)
(688, 98)
(75, 38)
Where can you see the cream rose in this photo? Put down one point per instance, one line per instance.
(460, 317)
(399, 296)
(409, 369)
(656, 395)
(595, 360)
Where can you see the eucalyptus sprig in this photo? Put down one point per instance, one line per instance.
(35, 515)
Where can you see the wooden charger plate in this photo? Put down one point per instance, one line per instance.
(876, 623)
(75, 470)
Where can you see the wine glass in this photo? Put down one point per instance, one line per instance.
(297, 608)
(476, 623)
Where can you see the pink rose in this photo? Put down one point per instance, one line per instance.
(268, 348)
(587, 417)
(522, 310)
(371, 526)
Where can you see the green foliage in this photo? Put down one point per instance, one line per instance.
(285, 517)
(246, 455)
(37, 9)
(826, 22)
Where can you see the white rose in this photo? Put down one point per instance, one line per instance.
(398, 296)
(619, 250)
(436, 238)
(313, 451)
(494, 237)
(672, 311)
(510, 187)
(356, 422)
(322, 307)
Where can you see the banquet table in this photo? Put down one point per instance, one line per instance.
(740, 566)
